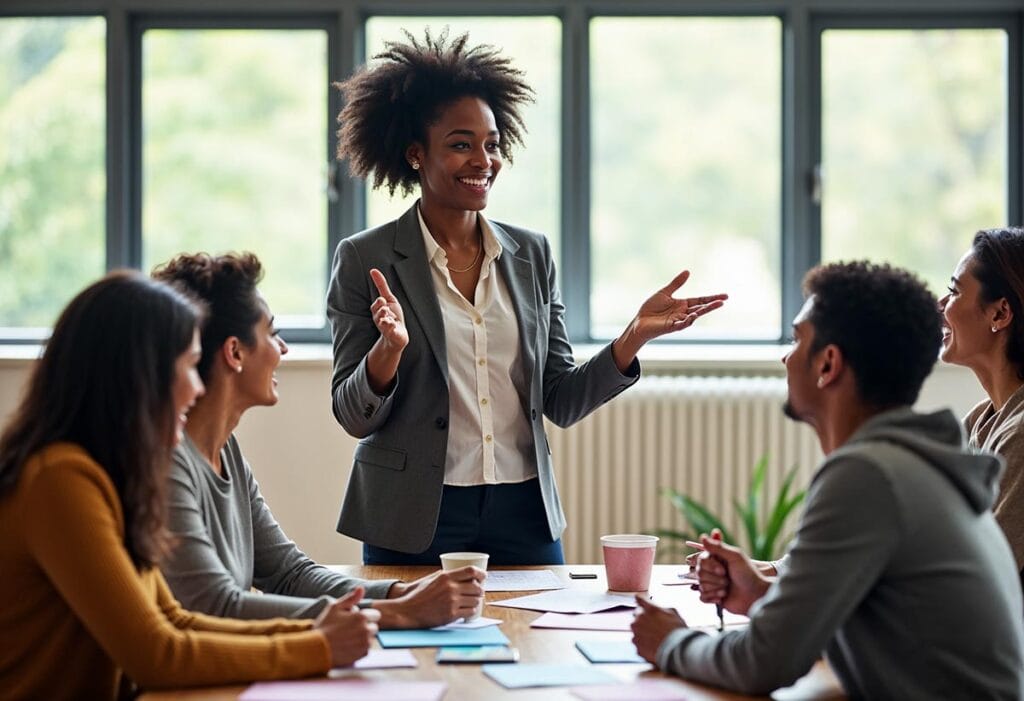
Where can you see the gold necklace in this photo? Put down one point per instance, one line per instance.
(479, 252)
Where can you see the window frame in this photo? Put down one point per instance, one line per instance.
(803, 22)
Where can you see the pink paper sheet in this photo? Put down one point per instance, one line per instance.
(345, 690)
(646, 689)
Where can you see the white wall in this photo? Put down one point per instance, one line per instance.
(301, 456)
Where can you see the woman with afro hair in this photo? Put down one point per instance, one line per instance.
(449, 340)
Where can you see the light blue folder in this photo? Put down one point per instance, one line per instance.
(609, 651)
(520, 676)
(491, 635)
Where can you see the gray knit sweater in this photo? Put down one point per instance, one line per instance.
(898, 572)
(1002, 432)
(229, 542)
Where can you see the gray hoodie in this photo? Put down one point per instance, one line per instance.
(898, 572)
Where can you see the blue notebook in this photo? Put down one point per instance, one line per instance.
(520, 676)
(491, 635)
(609, 651)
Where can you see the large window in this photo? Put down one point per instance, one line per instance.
(52, 183)
(744, 141)
(686, 165)
(234, 155)
(914, 147)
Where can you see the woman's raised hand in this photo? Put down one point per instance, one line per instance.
(387, 314)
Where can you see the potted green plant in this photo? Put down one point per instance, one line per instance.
(763, 530)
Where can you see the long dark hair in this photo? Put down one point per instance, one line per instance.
(999, 266)
(105, 383)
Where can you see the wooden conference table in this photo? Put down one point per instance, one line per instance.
(466, 682)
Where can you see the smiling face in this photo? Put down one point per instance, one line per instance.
(187, 385)
(967, 336)
(258, 380)
(461, 159)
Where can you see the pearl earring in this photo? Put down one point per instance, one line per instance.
(821, 382)
(995, 330)
(415, 165)
(238, 369)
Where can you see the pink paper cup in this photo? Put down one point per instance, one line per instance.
(628, 559)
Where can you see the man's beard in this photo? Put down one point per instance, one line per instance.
(789, 411)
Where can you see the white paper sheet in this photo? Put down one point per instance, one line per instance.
(605, 620)
(475, 623)
(378, 659)
(522, 580)
(569, 601)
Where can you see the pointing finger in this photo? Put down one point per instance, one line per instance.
(382, 285)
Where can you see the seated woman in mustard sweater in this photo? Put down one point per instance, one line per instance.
(83, 473)
(227, 539)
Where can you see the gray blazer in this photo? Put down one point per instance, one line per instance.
(394, 492)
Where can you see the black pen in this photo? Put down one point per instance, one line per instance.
(721, 617)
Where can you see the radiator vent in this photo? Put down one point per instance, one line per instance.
(699, 435)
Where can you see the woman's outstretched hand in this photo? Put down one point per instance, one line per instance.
(662, 314)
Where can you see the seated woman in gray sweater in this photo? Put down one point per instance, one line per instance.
(228, 540)
(898, 571)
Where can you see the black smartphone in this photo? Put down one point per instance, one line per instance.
(582, 575)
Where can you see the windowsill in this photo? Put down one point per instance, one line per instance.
(657, 359)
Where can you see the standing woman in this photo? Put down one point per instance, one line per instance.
(83, 473)
(983, 329)
(449, 340)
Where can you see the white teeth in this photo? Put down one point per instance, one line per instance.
(474, 182)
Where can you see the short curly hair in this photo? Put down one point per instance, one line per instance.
(389, 105)
(884, 320)
(227, 285)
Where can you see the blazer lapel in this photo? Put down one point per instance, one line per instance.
(519, 276)
(413, 272)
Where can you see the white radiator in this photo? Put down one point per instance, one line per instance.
(700, 435)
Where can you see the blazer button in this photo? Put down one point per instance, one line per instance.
(441, 422)
(533, 414)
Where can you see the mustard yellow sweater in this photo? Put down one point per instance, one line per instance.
(75, 613)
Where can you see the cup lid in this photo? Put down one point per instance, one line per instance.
(629, 540)
(465, 556)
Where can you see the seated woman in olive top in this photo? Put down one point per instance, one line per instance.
(83, 474)
(228, 540)
(983, 329)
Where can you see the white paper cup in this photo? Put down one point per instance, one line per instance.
(453, 561)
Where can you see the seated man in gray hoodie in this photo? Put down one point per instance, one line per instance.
(898, 571)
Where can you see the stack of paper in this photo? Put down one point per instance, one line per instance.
(522, 580)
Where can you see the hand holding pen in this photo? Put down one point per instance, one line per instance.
(694, 560)
(727, 577)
